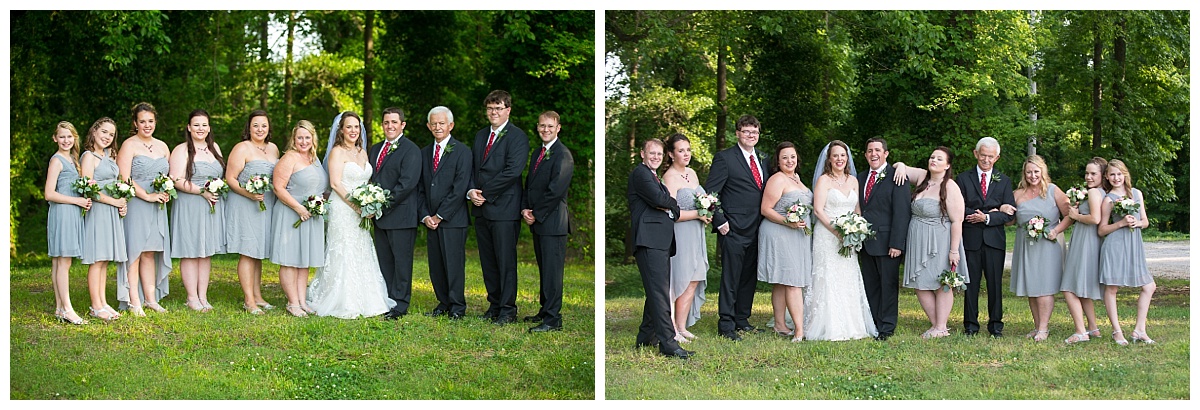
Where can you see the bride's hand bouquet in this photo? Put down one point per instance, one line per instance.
(706, 204)
(315, 204)
(215, 186)
(163, 183)
(87, 188)
(798, 212)
(120, 190)
(1076, 195)
(1036, 228)
(854, 230)
(370, 200)
(1124, 207)
(952, 280)
(259, 184)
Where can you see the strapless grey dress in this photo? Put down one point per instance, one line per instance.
(64, 223)
(928, 249)
(146, 230)
(785, 253)
(248, 229)
(302, 247)
(195, 232)
(690, 262)
(1081, 272)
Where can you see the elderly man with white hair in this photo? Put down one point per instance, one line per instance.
(989, 204)
(445, 176)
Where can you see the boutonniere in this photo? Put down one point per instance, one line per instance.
(547, 155)
(450, 147)
(761, 157)
(501, 134)
(882, 174)
(995, 177)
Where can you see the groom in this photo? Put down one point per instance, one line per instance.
(396, 166)
(886, 206)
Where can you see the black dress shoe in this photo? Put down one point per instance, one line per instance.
(749, 329)
(997, 334)
(679, 353)
(545, 328)
(531, 319)
(883, 336)
(640, 345)
(490, 315)
(457, 316)
(436, 313)
(970, 332)
(731, 336)
(504, 320)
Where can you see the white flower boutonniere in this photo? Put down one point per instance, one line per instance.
(882, 175)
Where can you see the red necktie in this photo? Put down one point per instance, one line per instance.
(754, 170)
(983, 183)
(436, 149)
(870, 184)
(491, 139)
(383, 153)
(539, 160)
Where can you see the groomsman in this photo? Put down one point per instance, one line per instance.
(988, 197)
(445, 175)
(501, 152)
(886, 206)
(653, 213)
(397, 168)
(737, 176)
(544, 209)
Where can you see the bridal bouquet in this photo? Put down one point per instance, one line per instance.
(87, 188)
(120, 190)
(707, 204)
(163, 183)
(1125, 206)
(218, 187)
(951, 280)
(370, 200)
(259, 184)
(854, 230)
(798, 212)
(1077, 194)
(315, 204)
(1036, 228)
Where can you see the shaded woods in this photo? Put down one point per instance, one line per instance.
(79, 66)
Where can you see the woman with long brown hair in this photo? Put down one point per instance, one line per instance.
(198, 216)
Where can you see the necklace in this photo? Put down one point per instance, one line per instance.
(203, 149)
(794, 177)
(845, 177)
(685, 177)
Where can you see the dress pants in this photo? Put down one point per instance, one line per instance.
(394, 248)
(656, 327)
(447, 268)
(986, 263)
(551, 253)
(881, 278)
(497, 242)
(739, 265)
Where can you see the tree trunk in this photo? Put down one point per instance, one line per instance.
(722, 109)
(1118, 85)
(368, 76)
(825, 75)
(1097, 60)
(264, 54)
(287, 65)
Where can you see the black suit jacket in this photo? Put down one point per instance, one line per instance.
(400, 174)
(445, 191)
(888, 210)
(731, 180)
(652, 228)
(499, 176)
(975, 235)
(546, 190)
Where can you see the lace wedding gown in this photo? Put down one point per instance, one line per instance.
(350, 285)
(835, 305)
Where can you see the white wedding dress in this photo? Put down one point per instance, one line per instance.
(350, 285)
(835, 305)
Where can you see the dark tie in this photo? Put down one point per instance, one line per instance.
(754, 170)
(491, 139)
(870, 184)
(983, 183)
(436, 150)
(382, 153)
(539, 160)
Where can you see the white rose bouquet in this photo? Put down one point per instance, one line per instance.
(259, 184)
(1076, 195)
(370, 200)
(952, 280)
(1036, 228)
(1126, 206)
(797, 212)
(215, 186)
(315, 204)
(163, 183)
(87, 188)
(854, 230)
(120, 190)
(706, 205)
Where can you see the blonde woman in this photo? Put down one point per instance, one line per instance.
(1122, 256)
(298, 175)
(1037, 261)
(103, 233)
(64, 223)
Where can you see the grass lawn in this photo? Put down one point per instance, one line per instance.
(229, 354)
(764, 366)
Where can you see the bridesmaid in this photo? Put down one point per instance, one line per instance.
(248, 231)
(1081, 273)
(934, 238)
(298, 249)
(64, 224)
(197, 233)
(103, 233)
(1037, 262)
(1122, 256)
(145, 274)
(784, 250)
(689, 266)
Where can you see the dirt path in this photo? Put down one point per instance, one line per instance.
(1165, 259)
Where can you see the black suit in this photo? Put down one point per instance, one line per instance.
(546, 195)
(654, 244)
(731, 179)
(396, 230)
(497, 222)
(984, 244)
(888, 210)
(444, 194)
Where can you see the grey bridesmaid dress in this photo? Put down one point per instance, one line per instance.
(1123, 256)
(690, 262)
(1081, 272)
(247, 228)
(785, 253)
(1037, 265)
(928, 253)
(64, 224)
(146, 230)
(195, 232)
(302, 247)
(103, 230)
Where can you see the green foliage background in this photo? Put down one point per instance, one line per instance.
(79, 66)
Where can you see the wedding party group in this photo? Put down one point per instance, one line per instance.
(353, 214)
(833, 252)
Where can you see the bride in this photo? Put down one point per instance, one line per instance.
(350, 284)
(835, 305)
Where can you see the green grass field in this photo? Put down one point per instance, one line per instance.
(765, 366)
(228, 354)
